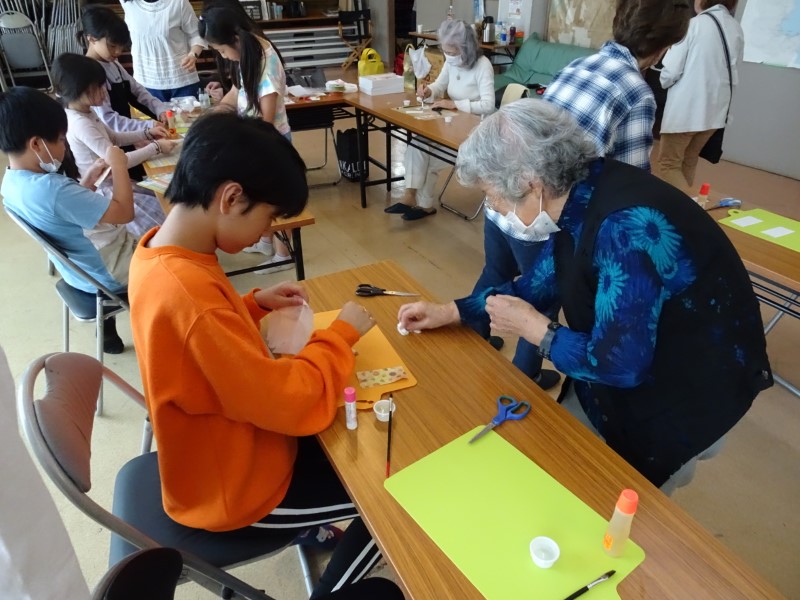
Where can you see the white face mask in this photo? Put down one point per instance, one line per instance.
(538, 231)
(453, 61)
(49, 167)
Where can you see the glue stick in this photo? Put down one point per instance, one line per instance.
(350, 412)
(619, 527)
(702, 196)
(171, 124)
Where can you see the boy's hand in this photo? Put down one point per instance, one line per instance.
(357, 316)
(116, 158)
(92, 173)
(158, 131)
(166, 146)
(281, 295)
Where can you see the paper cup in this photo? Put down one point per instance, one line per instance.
(419, 27)
(544, 551)
(406, 102)
(448, 119)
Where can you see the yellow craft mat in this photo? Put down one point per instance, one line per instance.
(765, 225)
(374, 352)
(483, 503)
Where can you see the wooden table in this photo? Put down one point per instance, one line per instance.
(417, 133)
(460, 376)
(282, 227)
(775, 273)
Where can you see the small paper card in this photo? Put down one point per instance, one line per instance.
(368, 379)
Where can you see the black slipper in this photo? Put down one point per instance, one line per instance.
(417, 213)
(398, 208)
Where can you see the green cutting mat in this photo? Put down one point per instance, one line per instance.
(767, 226)
(483, 503)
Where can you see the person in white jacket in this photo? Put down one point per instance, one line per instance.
(468, 79)
(696, 75)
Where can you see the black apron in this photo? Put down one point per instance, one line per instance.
(121, 98)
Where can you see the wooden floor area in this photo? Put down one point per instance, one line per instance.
(747, 496)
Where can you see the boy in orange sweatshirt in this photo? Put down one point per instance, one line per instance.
(232, 424)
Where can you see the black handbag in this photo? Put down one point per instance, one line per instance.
(347, 149)
(712, 151)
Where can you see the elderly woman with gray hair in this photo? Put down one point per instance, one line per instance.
(663, 344)
(468, 79)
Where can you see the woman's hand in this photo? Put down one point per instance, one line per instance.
(158, 131)
(189, 61)
(281, 295)
(513, 315)
(448, 104)
(215, 90)
(423, 90)
(166, 146)
(358, 316)
(427, 315)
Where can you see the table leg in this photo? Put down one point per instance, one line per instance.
(363, 157)
(388, 157)
(297, 254)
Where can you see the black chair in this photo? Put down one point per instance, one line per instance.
(317, 117)
(355, 29)
(57, 429)
(153, 575)
(82, 305)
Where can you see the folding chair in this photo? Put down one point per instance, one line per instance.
(57, 429)
(514, 91)
(318, 117)
(82, 305)
(355, 29)
(22, 48)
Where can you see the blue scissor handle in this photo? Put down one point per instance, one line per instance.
(510, 409)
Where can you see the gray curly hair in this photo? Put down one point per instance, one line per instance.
(525, 141)
(463, 37)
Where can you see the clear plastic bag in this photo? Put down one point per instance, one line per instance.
(289, 329)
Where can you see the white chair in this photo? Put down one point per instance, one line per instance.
(22, 48)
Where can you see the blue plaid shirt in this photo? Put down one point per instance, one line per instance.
(608, 96)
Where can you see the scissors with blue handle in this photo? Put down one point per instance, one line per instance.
(508, 409)
(367, 289)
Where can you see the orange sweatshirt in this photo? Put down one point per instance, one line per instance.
(224, 414)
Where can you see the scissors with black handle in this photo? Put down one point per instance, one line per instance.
(367, 289)
(508, 409)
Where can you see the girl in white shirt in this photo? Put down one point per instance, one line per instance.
(696, 73)
(166, 46)
(80, 83)
(468, 79)
(258, 91)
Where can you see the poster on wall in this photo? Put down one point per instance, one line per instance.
(584, 23)
(514, 9)
(772, 32)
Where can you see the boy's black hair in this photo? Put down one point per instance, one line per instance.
(101, 22)
(27, 113)
(74, 75)
(224, 147)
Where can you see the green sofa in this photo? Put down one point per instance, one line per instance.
(538, 62)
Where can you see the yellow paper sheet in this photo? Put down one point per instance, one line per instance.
(483, 503)
(374, 352)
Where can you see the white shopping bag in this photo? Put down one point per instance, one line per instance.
(420, 62)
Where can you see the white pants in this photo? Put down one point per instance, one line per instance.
(422, 173)
(679, 478)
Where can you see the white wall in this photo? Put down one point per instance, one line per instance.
(764, 126)
(432, 12)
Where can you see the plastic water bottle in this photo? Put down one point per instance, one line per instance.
(619, 527)
(503, 35)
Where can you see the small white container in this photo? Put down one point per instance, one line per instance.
(448, 119)
(420, 27)
(381, 408)
(544, 551)
(406, 102)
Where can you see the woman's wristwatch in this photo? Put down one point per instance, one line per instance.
(547, 340)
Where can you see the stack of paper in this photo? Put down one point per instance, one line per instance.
(377, 85)
(157, 183)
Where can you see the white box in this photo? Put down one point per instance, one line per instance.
(377, 85)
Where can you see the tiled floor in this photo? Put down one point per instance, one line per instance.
(747, 496)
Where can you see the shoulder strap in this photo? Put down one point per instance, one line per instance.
(727, 61)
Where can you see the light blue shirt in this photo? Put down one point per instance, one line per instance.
(62, 209)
